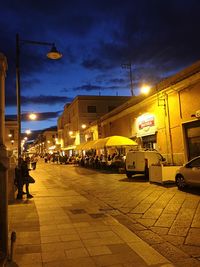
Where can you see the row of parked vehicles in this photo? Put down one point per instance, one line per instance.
(138, 162)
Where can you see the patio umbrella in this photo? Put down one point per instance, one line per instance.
(114, 141)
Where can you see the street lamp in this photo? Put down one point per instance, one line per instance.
(28, 131)
(52, 54)
(83, 126)
(145, 89)
(32, 116)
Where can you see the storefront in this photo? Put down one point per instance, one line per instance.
(146, 130)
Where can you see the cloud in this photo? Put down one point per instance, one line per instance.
(41, 99)
(93, 87)
(41, 116)
(95, 63)
(87, 87)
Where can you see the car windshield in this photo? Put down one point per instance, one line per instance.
(195, 163)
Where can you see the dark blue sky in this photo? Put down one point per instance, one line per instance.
(95, 38)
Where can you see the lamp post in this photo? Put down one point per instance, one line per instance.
(52, 54)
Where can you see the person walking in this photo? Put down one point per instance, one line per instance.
(34, 160)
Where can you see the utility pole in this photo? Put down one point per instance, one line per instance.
(128, 66)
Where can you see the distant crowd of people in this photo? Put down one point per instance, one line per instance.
(93, 161)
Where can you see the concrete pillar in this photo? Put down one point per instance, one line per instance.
(4, 163)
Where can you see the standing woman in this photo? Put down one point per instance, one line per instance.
(22, 177)
(26, 177)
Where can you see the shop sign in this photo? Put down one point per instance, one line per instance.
(146, 125)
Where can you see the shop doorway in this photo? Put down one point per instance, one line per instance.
(149, 141)
(192, 133)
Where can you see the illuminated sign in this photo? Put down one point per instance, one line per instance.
(146, 125)
(145, 122)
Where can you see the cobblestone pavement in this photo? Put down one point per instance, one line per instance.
(164, 217)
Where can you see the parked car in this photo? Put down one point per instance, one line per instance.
(188, 174)
(138, 162)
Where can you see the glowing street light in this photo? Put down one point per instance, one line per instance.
(83, 126)
(28, 131)
(145, 89)
(33, 116)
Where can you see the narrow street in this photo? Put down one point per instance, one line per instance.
(164, 217)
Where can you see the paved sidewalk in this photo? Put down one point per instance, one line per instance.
(60, 227)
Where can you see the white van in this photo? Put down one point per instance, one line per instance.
(138, 162)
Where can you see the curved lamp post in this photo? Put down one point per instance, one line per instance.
(52, 54)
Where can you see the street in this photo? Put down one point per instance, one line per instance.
(162, 216)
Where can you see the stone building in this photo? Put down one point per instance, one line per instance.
(79, 114)
(46, 141)
(166, 120)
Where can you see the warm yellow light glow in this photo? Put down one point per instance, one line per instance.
(32, 116)
(10, 135)
(145, 89)
(25, 138)
(28, 131)
(54, 54)
(48, 142)
(70, 132)
(83, 126)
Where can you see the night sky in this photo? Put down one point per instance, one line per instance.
(95, 38)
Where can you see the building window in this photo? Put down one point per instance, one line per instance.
(92, 109)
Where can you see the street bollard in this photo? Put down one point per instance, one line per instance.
(12, 239)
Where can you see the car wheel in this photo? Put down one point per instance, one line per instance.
(146, 172)
(129, 174)
(180, 182)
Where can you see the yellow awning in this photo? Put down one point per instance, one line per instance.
(114, 141)
(89, 145)
(107, 142)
